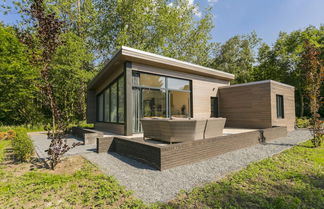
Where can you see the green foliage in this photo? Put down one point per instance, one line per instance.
(155, 26)
(85, 188)
(22, 145)
(70, 74)
(283, 61)
(3, 145)
(302, 122)
(237, 56)
(16, 80)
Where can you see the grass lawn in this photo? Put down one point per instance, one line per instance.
(292, 179)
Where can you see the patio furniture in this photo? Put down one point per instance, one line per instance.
(182, 129)
(214, 127)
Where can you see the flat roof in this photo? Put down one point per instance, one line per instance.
(257, 82)
(135, 55)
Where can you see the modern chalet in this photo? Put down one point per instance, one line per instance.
(135, 84)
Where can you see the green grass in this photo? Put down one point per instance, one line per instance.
(28, 127)
(292, 179)
(3, 145)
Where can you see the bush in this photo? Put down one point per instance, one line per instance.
(302, 122)
(7, 135)
(22, 145)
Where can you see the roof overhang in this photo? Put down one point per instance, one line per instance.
(135, 55)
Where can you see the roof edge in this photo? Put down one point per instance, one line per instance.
(258, 82)
(211, 70)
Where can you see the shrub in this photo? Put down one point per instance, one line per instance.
(302, 122)
(22, 145)
(3, 135)
(11, 134)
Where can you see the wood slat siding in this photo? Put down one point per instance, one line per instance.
(202, 87)
(246, 106)
(174, 155)
(111, 127)
(289, 106)
(254, 105)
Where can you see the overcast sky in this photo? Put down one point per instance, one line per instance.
(266, 17)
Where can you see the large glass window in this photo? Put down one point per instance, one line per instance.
(100, 108)
(149, 80)
(280, 106)
(121, 100)
(180, 84)
(154, 103)
(111, 102)
(179, 104)
(107, 105)
(159, 96)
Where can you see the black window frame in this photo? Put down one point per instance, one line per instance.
(280, 107)
(214, 113)
(110, 107)
(167, 89)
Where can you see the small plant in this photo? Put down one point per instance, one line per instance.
(7, 135)
(11, 134)
(22, 145)
(57, 149)
(3, 135)
(302, 122)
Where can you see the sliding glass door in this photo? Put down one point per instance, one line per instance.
(156, 96)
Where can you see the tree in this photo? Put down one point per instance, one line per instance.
(282, 62)
(314, 71)
(48, 30)
(237, 56)
(71, 71)
(157, 26)
(17, 78)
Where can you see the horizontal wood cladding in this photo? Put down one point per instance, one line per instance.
(288, 94)
(246, 106)
(110, 127)
(202, 87)
(169, 156)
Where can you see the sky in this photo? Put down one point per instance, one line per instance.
(266, 17)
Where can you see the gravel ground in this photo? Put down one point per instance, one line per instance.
(41, 143)
(152, 185)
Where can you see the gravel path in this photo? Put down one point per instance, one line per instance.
(152, 185)
(41, 143)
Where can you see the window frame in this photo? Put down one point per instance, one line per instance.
(102, 92)
(167, 89)
(280, 106)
